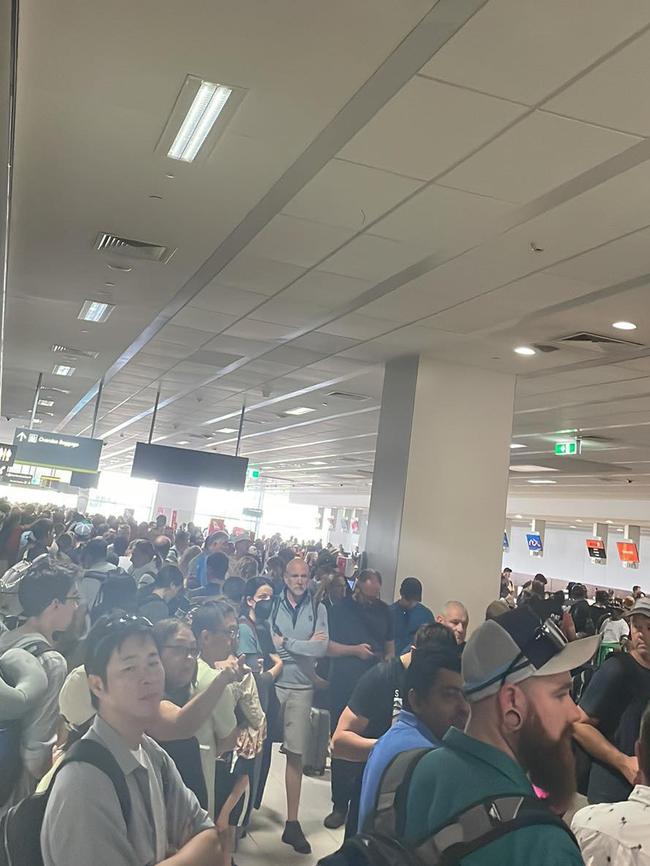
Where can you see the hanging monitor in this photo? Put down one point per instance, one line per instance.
(191, 468)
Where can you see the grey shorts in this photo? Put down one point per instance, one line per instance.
(295, 706)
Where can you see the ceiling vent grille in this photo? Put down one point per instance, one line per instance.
(346, 395)
(131, 249)
(66, 350)
(599, 341)
(545, 348)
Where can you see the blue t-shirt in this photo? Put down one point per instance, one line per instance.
(407, 733)
(406, 623)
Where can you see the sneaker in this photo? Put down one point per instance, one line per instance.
(294, 836)
(335, 819)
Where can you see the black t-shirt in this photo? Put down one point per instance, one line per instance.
(351, 623)
(581, 615)
(378, 696)
(617, 696)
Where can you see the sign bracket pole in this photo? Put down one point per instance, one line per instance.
(153, 417)
(97, 402)
(241, 427)
(37, 394)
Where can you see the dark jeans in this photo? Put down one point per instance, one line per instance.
(345, 776)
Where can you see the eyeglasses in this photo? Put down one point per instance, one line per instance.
(183, 651)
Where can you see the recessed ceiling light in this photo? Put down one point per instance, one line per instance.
(624, 326)
(578, 520)
(609, 521)
(573, 527)
(227, 430)
(206, 107)
(299, 410)
(530, 467)
(518, 517)
(95, 311)
(63, 370)
(317, 463)
(184, 442)
(514, 445)
(525, 350)
(541, 481)
(47, 403)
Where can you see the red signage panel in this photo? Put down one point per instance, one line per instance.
(627, 551)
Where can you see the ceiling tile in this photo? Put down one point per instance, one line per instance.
(297, 241)
(469, 120)
(373, 258)
(200, 319)
(227, 300)
(611, 263)
(287, 311)
(534, 156)
(358, 327)
(250, 329)
(326, 289)
(615, 93)
(263, 275)
(523, 49)
(351, 195)
(442, 219)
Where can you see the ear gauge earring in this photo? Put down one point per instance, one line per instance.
(517, 715)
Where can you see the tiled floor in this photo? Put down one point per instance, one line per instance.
(263, 845)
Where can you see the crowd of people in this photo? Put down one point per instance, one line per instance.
(146, 672)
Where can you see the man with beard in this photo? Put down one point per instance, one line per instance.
(517, 680)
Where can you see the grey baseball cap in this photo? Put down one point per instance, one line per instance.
(516, 646)
(641, 606)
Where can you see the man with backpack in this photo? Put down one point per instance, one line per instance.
(433, 702)
(121, 801)
(301, 635)
(49, 597)
(472, 800)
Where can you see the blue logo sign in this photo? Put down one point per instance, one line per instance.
(506, 543)
(534, 540)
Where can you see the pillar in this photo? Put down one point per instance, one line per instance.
(176, 501)
(438, 501)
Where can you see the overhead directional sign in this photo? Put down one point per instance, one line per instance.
(596, 550)
(6, 454)
(534, 540)
(567, 447)
(57, 450)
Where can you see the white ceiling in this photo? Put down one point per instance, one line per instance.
(377, 193)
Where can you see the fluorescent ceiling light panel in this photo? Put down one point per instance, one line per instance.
(525, 350)
(227, 430)
(529, 467)
(541, 481)
(47, 403)
(95, 311)
(184, 442)
(514, 445)
(299, 410)
(63, 370)
(317, 463)
(206, 107)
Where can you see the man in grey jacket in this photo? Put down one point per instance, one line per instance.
(300, 634)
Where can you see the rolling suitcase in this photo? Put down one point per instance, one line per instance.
(315, 757)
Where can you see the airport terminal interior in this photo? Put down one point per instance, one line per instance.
(324, 432)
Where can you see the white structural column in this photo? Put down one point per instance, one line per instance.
(177, 498)
(438, 502)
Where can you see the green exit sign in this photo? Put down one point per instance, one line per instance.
(569, 446)
(253, 473)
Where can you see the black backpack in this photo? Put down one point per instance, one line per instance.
(20, 827)
(117, 591)
(11, 762)
(382, 844)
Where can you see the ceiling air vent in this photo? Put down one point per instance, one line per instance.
(66, 350)
(108, 243)
(545, 348)
(599, 341)
(346, 395)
